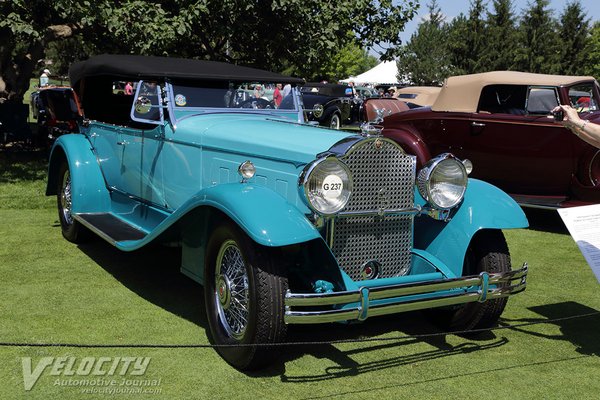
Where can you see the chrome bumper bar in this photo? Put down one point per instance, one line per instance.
(396, 296)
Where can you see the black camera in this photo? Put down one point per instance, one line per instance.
(559, 115)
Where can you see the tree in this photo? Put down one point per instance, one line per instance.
(591, 59)
(26, 29)
(539, 46)
(425, 59)
(474, 37)
(457, 47)
(297, 35)
(351, 60)
(574, 31)
(497, 56)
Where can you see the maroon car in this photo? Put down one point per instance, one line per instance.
(502, 122)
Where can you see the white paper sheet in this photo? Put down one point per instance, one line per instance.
(583, 224)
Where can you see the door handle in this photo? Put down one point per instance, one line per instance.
(123, 143)
(477, 124)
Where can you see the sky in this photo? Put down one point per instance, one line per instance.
(452, 8)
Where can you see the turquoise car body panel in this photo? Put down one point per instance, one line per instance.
(267, 207)
(89, 191)
(484, 207)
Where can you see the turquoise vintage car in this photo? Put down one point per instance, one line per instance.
(281, 221)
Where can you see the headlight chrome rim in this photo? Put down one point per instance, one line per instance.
(326, 166)
(444, 194)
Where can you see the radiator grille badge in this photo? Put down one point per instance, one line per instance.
(370, 269)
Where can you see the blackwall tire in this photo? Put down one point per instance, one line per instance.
(244, 297)
(334, 121)
(487, 252)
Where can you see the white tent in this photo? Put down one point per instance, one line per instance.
(382, 74)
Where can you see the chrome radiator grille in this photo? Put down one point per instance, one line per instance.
(384, 178)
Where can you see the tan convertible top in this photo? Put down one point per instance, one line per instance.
(424, 95)
(461, 93)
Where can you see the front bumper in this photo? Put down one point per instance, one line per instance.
(392, 299)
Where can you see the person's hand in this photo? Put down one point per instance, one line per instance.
(570, 117)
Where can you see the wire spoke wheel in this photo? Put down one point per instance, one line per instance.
(231, 290)
(71, 229)
(65, 198)
(245, 286)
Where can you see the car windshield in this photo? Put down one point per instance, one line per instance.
(582, 97)
(224, 94)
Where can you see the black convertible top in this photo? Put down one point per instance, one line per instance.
(146, 67)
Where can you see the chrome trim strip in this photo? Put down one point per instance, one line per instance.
(140, 200)
(364, 297)
(401, 211)
(94, 229)
(318, 317)
(537, 207)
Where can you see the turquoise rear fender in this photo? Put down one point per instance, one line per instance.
(484, 207)
(264, 215)
(89, 192)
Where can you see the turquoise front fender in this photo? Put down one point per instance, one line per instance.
(264, 215)
(484, 207)
(89, 192)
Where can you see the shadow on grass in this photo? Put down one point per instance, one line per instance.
(545, 221)
(581, 332)
(153, 273)
(407, 324)
(19, 163)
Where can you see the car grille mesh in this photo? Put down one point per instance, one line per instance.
(384, 178)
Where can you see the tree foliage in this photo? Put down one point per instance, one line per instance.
(294, 35)
(573, 32)
(591, 61)
(539, 47)
(473, 35)
(425, 59)
(501, 29)
(25, 30)
(351, 60)
(535, 41)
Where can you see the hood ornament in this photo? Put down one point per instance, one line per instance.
(373, 127)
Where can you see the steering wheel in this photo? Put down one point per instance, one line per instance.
(257, 103)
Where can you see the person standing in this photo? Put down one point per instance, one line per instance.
(259, 92)
(353, 88)
(287, 89)
(128, 88)
(45, 78)
(277, 96)
(584, 129)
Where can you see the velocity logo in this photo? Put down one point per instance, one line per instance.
(104, 370)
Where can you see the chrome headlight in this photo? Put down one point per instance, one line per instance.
(443, 181)
(317, 110)
(326, 184)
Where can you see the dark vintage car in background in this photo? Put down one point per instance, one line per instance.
(56, 110)
(502, 122)
(281, 221)
(330, 105)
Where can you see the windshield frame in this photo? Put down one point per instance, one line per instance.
(177, 114)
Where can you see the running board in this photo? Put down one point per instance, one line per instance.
(110, 227)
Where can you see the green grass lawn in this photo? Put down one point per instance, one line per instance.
(52, 291)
